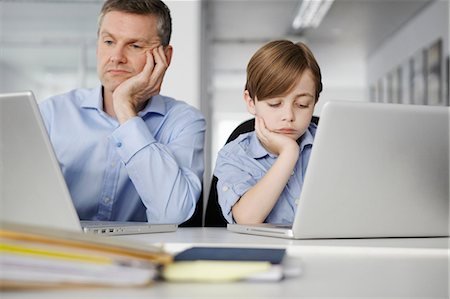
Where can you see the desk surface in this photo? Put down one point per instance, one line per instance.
(362, 268)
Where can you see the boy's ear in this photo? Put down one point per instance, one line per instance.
(250, 103)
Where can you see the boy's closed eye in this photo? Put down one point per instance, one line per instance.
(274, 104)
(302, 105)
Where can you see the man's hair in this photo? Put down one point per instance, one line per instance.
(143, 7)
(276, 67)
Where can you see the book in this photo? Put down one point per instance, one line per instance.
(219, 264)
(272, 255)
(70, 239)
(39, 258)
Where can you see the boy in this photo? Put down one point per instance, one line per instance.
(260, 174)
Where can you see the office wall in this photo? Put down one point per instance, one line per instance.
(49, 47)
(431, 24)
(183, 76)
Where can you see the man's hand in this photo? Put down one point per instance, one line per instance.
(131, 95)
(274, 142)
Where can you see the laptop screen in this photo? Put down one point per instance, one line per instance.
(33, 190)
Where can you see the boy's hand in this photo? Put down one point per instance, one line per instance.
(130, 96)
(274, 142)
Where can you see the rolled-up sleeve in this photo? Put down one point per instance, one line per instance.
(236, 174)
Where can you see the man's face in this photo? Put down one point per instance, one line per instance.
(122, 42)
(291, 114)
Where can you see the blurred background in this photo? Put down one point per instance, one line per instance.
(393, 51)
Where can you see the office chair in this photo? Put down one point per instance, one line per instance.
(213, 213)
(196, 218)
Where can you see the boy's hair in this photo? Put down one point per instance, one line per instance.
(276, 67)
(143, 7)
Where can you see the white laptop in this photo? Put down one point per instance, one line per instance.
(376, 170)
(32, 187)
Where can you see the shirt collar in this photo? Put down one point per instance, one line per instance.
(256, 150)
(308, 137)
(95, 101)
(155, 105)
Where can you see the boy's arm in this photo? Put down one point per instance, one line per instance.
(256, 204)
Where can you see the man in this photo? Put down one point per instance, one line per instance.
(126, 152)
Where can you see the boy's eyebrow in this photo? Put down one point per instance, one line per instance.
(303, 94)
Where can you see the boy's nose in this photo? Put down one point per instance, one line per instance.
(288, 115)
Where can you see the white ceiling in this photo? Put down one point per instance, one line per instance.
(64, 25)
(349, 33)
(367, 21)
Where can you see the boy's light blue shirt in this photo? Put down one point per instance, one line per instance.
(244, 161)
(147, 169)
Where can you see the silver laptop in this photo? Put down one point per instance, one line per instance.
(376, 170)
(32, 187)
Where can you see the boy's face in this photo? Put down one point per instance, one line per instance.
(291, 114)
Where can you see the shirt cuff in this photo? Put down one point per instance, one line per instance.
(131, 137)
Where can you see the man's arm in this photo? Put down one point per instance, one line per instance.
(167, 176)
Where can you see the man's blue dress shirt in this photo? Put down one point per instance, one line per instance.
(244, 161)
(148, 169)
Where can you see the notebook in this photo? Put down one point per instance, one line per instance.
(32, 188)
(375, 170)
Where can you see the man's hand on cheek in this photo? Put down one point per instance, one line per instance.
(131, 95)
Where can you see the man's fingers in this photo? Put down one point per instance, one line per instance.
(160, 67)
(149, 64)
(160, 56)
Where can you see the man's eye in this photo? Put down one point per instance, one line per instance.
(137, 47)
(108, 42)
(302, 106)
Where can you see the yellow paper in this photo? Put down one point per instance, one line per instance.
(48, 253)
(213, 271)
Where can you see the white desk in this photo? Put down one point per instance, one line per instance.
(361, 268)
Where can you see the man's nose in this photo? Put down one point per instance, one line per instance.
(118, 55)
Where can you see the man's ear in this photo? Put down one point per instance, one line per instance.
(250, 103)
(168, 51)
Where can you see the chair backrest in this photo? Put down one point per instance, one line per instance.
(213, 213)
(196, 218)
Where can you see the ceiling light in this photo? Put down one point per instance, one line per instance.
(310, 13)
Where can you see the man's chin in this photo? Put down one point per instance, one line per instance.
(111, 86)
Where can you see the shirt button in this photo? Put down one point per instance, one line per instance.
(293, 172)
(107, 200)
(225, 188)
(119, 144)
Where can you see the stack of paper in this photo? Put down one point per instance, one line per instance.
(31, 257)
(217, 264)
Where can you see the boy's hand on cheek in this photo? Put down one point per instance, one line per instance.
(274, 142)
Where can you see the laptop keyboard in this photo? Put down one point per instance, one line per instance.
(289, 226)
